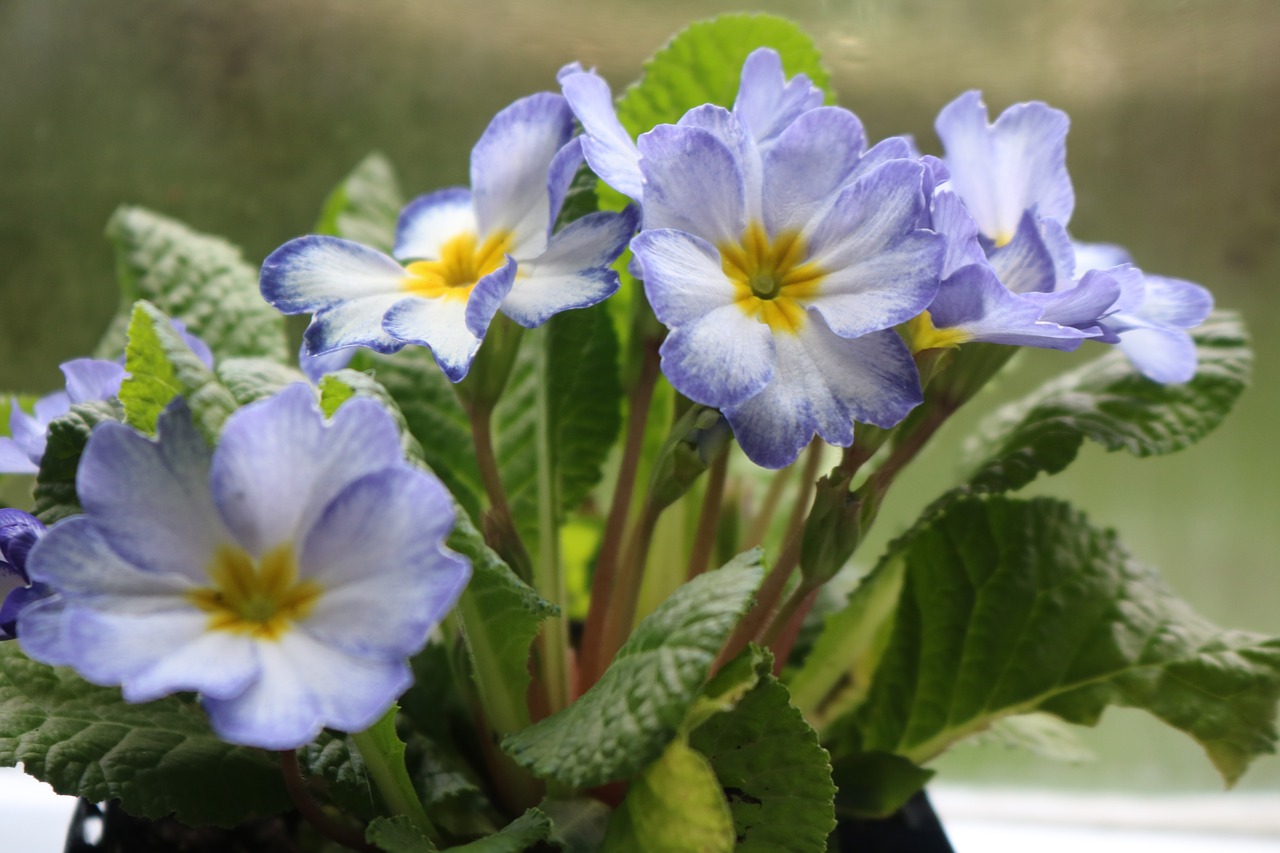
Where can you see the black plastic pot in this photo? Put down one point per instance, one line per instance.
(913, 829)
(109, 829)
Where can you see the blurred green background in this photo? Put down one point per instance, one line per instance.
(237, 117)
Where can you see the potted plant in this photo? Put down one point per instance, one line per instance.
(532, 545)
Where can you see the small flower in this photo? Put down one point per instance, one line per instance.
(462, 255)
(88, 379)
(19, 533)
(286, 576)
(781, 274)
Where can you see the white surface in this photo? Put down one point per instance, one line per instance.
(33, 819)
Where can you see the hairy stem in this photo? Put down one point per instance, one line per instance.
(759, 524)
(500, 532)
(704, 540)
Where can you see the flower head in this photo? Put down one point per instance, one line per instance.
(781, 272)
(460, 254)
(286, 576)
(19, 533)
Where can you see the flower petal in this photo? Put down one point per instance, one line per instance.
(608, 148)
(279, 464)
(441, 326)
(14, 459)
(509, 170)
(306, 686)
(683, 276)
(952, 220)
(1003, 170)
(1161, 354)
(169, 523)
(406, 563)
(1175, 303)
(693, 183)
(1081, 306)
(90, 379)
(574, 271)
(974, 302)
(356, 323)
(431, 220)
(564, 168)
(808, 164)
(767, 102)
(1099, 256)
(721, 359)
(313, 273)
(1025, 264)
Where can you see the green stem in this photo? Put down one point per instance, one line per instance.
(548, 575)
(500, 532)
(704, 540)
(383, 755)
(626, 591)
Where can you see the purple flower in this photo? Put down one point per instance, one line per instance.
(285, 576)
(88, 379)
(19, 533)
(461, 255)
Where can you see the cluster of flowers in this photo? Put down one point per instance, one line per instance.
(799, 271)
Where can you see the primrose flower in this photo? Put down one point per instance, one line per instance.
(286, 575)
(19, 533)
(88, 379)
(461, 255)
(781, 274)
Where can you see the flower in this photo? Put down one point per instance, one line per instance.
(286, 575)
(19, 533)
(88, 379)
(1014, 275)
(780, 274)
(462, 255)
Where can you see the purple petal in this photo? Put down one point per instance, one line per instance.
(608, 148)
(694, 184)
(90, 379)
(1025, 264)
(683, 276)
(767, 102)
(313, 273)
(975, 304)
(721, 359)
(808, 164)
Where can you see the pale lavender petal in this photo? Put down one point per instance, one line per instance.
(441, 326)
(509, 170)
(431, 220)
(767, 102)
(310, 274)
(1099, 256)
(564, 167)
(683, 276)
(974, 303)
(90, 379)
(694, 184)
(1163, 355)
(721, 359)
(1025, 264)
(808, 164)
(1081, 306)
(1175, 303)
(608, 148)
(953, 222)
(487, 297)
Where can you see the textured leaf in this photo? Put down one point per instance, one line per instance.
(500, 616)
(625, 721)
(519, 835)
(338, 387)
(160, 367)
(398, 835)
(198, 279)
(251, 379)
(674, 806)
(364, 207)
(703, 64)
(1109, 402)
(1013, 606)
(158, 758)
(776, 777)
(55, 492)
(578, 824)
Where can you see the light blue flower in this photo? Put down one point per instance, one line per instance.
(461, 255)
(285, 576)
(19, 532)
(88, 379)
(781, 273)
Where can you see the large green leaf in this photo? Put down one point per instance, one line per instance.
(158, 758)
(251, 379)
(198, 279)
(775, 776)
(1109, 402)
(55, 492)
(1012, 606)
(702, 65)
(625, 721)
(519, 835)
(365, 205)
(160, 367)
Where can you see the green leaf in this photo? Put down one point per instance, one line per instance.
(625, 721)
(252, 379)
(365, 206)
(874, 785)
(160, 367)
(157, 758)
(1109, 402)
(55, 492)
(500, 615)
(198, 279)
(519, 835)
(339, 387)
(397, 835)
(703, 64)
(775, 776)
(333, 761)
(674, 806)
(1014, 606)
(578, 824)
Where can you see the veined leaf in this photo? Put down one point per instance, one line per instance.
(519, 835)
(198, 279)
(398, 835)
(252, 379)
(55, 492)
(624, 722)
(1013, 606)
(158, 758)
(364, 207)
(160, 367)
(703, 64)
(1109, 402)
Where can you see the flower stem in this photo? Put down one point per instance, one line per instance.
(759, 524)
(704, 539)
(500, 532)
(626, 591)
(311, 810)
(548, 575)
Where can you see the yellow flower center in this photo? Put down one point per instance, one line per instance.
(261, 599)
(463, 262)
(921, 334)
(771, 277)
